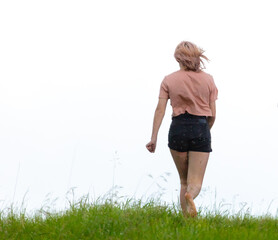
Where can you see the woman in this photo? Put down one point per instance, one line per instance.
(192, 93)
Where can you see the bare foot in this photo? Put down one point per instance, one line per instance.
(191, 208)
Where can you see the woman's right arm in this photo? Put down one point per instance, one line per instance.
(211, 119)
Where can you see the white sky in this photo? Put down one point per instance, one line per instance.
(79, 83)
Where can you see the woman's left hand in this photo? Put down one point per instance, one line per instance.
(158, 116)
(151, 146)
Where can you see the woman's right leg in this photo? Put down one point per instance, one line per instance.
(196, 171)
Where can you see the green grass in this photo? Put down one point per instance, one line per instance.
(132, 220)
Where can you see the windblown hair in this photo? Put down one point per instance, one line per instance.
(189, 56)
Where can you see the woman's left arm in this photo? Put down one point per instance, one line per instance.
(158, 117)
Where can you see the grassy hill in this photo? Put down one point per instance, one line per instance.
(132, 220)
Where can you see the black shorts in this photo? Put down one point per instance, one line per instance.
(189, 133)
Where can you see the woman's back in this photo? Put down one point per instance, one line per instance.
(189, 91)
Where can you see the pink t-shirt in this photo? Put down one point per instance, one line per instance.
(189, 91)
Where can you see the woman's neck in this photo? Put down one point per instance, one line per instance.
(183, 68)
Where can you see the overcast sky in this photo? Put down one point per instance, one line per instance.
(79, 83)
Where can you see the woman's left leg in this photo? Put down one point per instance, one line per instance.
(181, 161)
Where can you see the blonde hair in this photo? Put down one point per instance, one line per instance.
(189, 56)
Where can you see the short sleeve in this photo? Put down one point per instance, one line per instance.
(213, 95)
(164, 91)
